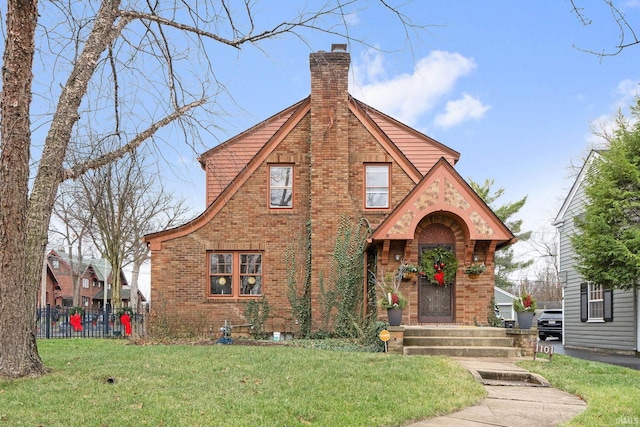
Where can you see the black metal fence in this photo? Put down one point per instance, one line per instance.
(59, 322)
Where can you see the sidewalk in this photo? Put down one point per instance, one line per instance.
(510, 405)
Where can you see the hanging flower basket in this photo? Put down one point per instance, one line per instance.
(474, 271)
(439, 266)
(408, 276)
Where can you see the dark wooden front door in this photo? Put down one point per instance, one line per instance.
(435, 303)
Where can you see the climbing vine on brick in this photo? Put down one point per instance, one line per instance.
(299, 288)
(347, 274)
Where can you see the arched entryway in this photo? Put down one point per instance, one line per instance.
(436, 304)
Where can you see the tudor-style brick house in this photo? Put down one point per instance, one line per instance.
(303, 169)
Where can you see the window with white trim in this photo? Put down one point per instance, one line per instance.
(377, 186)
(235, 274)
(596, 302)
(280, 186)
(85, 283)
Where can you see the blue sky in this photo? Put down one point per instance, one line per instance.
(502, 82)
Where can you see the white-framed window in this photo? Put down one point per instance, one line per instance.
(377, 186)
(85, 283)
(55, 263)
(596, 302)
(235, 274)
(281, 186)
(85, 301)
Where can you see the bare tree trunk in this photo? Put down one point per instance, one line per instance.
(18, 292)
(135, 275)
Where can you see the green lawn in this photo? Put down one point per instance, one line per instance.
(112, 383)
(612, 393)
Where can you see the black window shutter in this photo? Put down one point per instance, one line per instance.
(608, 305)
(584, 302)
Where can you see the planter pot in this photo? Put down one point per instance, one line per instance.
(473, 276)
(525, 319)
(395, 316)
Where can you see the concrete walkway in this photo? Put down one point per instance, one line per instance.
(510, 405)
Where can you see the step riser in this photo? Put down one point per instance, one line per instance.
(458, 341)
(463, 351)
(455, 332)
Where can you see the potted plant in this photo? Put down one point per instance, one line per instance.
(392, 299)
(439, 265)
(525, 308)
(474, 270)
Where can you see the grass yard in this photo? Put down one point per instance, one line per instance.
(112, 383)
(612, 393)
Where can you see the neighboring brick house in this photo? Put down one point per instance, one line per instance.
(63, 271)
(298, 173)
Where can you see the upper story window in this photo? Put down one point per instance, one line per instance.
(235, 274)
(280, 186)
(55, 263)
(377, 186)
(85, 283)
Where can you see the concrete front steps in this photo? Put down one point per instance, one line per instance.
(460, 341)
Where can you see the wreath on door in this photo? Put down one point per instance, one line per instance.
(439, 265)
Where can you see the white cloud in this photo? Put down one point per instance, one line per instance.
(409, 96)
(461, 110)
(606, 124)
(351, 19)
(628, 90)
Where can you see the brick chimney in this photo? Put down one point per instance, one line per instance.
(330, 114)
(329, 150)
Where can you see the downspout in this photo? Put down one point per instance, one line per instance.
(637, 317)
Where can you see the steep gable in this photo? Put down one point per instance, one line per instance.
(577, 185)
(224, 162)
(443, 189)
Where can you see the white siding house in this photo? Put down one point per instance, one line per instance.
(594, 318)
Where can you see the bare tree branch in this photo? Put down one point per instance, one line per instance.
(625, 29)
(78, 170)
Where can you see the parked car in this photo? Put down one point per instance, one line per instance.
(550, 324)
